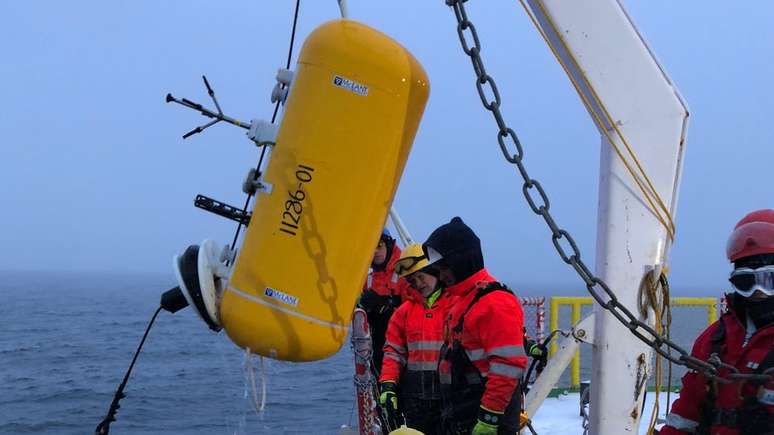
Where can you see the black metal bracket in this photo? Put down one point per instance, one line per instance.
(216, 116)
(222, 209)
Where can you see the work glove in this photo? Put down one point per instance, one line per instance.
(487, 423)
(389, 399)
(535, 349)
(524, 420)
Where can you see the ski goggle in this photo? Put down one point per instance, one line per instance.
(746, 281)
(406, 265)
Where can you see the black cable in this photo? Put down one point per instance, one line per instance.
(273, 118)
(103, 428)
(536, 361)
(290, 53)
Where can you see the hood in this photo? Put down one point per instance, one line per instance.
(393, 254)
(459, 246)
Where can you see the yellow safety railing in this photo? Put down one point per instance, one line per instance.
(577, 302)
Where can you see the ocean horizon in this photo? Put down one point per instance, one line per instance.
(68, 338)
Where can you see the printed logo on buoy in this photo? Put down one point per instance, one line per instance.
(350, 85)
(280, 296)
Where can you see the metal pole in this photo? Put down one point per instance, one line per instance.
(343, 9)
(403, 233)
(559, 361)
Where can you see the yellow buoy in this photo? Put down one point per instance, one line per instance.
(354, 107)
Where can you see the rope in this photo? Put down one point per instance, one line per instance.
(273, 118)
(367, 389)
(259, 406)
(263, 384)
(103, 428)
(668, 329)
(661, 307)
(655, 202)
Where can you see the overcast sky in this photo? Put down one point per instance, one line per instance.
(95, 175)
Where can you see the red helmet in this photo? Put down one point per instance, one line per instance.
(753, 235)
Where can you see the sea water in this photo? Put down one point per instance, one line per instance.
(66, 340)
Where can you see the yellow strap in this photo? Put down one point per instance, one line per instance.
(523, 419)
(655, 202)
(660, 309)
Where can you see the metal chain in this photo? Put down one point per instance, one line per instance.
(562, 239)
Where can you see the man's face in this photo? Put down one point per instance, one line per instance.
(380, 254)
(446, 274)
(423, 282)
(759, 296)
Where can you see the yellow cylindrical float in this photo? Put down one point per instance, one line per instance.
(355, 104)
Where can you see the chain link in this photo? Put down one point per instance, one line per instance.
(598, 289)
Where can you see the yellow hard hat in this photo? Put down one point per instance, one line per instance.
(411, 260)
(403, 430)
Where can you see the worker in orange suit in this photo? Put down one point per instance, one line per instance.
(383, 292)
(482, 358)
(742, 338)
(414, 339)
